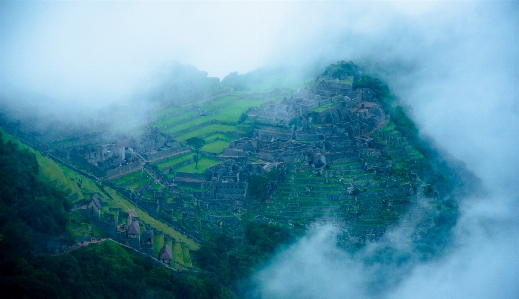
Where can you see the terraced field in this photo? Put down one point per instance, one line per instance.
(203, 164)
(133, 181)
(345, 192)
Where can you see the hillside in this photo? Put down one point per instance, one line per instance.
(338, 149)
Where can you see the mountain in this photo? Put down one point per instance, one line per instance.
(276, 160)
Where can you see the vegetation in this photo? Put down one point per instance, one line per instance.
(216, 146)
(204, 163)
(27, 204)
(226, 262)
(341, 70)
(196, 144)
(100, 271)
(33, 192)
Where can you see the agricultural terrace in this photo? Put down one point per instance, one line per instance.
(120, 202)
(132, 181)
(216, 146)
(203, 164)
(173, 161)
(67, 180)
(173, 118)
(323, 107)
(213, 128)
(226, 109)
(217, 136)
(181, 255)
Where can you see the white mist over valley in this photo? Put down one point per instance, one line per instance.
(454, 65)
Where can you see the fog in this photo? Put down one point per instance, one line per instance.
(94, 53)
(455, 65)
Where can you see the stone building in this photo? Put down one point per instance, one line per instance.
(94, 206)
(165, 255)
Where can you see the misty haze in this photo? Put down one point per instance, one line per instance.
(258, 149)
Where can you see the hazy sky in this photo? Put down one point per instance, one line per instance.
(99, 51)
(455, 64)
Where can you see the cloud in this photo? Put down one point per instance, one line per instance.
(455, 66)
(96, 53)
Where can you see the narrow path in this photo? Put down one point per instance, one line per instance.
(79, 245)
(154, 178)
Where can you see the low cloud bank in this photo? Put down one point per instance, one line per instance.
(456, 66)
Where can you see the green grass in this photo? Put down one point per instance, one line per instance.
(126, 178)
(138, 183)
(323, 107)
(173, 118)
(229, 112)
(158, 242)
(212, 104)
(172, 161)
(348, 80)
(215, 147)
(187, 257)
(187, 188)
(218, 136)
(188, 124)
(203, 164)
(63, 141)
(62, 175)
(124, 205)
(178, 257)
(207, 129)
(233, 111)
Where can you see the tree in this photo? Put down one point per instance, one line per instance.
(196, 143)
(196, 158)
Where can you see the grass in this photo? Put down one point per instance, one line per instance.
(233, 111)
(63, 141)
(215, 147)
(187, 188)
(323, 107)
(345, 164)
(51, 171)
(213, 128)
(177, 253)
(229, 112)
(203, 164)
(173, 118)
(187, 257)
(158, 242)
(211, 105)
(126, 178)
(188, 124)
(137, 184)
(216, 137)
(172, 161)
(124, 205)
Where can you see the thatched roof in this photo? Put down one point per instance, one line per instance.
(134, 228)
(166, 253)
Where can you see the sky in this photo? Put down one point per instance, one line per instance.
(455, 65)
